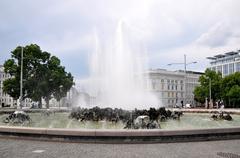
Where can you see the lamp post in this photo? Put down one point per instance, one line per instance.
(210, 89)
(21, 81)
(185, 74)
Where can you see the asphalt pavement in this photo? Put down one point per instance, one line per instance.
(17, 148)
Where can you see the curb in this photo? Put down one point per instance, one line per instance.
(119, 136)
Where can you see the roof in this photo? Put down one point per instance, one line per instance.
(228, 54)
(231, 53)
(211, 58)
(177, 72)
(219, 56)
(191, 72)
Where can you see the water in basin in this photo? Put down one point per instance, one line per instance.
(61, 120)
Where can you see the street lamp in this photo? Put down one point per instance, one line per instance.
(21, 81)
(210, 89)
(185, 73)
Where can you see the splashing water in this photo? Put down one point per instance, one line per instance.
(118, 74)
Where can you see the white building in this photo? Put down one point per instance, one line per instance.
(170, 87)
(227, 63)
(5, 99)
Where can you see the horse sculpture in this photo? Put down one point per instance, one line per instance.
(18, 117)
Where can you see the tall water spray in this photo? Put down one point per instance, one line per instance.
(118, 74)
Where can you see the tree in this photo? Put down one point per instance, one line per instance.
(42, 74)
(202, 91)
(231, 89)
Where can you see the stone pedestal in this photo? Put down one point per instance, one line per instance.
(211, 104)
(206, 103)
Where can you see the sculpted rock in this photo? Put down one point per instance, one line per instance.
(227, 117)
(142, 121)
(222, 116)
(153, 125)
(18, 117)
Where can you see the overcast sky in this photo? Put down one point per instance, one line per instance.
(168, 28)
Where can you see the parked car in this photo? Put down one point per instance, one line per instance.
(177, 105)
(188, 106)
(5, 105)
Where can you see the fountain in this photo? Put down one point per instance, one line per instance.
(119, 84)
(118, 77)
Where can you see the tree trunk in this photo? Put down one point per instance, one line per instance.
(47, 103)
(40, 103)
(229, 102)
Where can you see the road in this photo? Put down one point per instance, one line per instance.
(15, 148)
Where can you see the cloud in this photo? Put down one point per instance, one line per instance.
(167, 28)
(218, 35)
(68, 42)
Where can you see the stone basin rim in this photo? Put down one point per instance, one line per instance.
(123, 136)
(115, 132)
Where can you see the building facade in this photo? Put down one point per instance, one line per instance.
(5, 99)
(173, 87)
(226, 64)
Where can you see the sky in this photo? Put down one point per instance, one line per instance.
(167, 28)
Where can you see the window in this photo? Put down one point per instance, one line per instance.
(168, 87)
(225, 69)
(237, 67)
(153, 85)
(214, 68)
(176, 87)
(219, 69)
(231, 68)
(162, 80)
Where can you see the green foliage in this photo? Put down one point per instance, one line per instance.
(43, 75)
(200, 93)
(231, 89)
(227, 88)
(11, 87)
(209, 78)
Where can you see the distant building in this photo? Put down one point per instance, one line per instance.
(74, 98)
(170, 88)
(5, 99)
(227, 63)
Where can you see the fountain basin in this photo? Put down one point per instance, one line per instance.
(119, 136)
(61, 120)
(58, 127)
